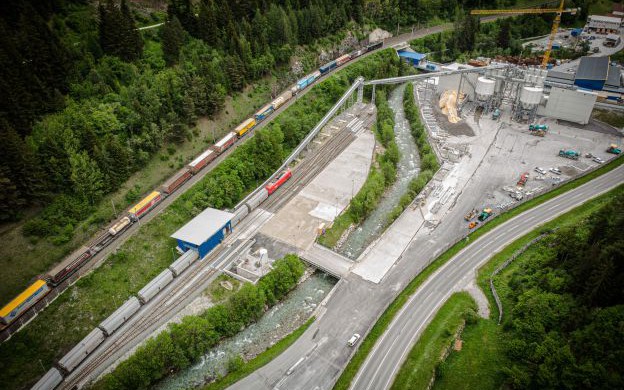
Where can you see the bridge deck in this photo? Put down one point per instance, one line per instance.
(327, 260)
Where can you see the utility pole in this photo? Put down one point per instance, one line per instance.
(114, 210)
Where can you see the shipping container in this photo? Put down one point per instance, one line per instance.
(278, 181)
(120, 316)
(119, 226)
(342, 59)
(148, 203)
(201, 161)
(314, 76)
(225, 142)
(244, 127)
(356, 53)
(327, 67)
(49, 381)
(70, 265)
(176, 180)
(263, 112)
(33, 294)
(80, 352)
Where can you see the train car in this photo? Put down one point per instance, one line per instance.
(277, 103)
(356, 53)
(313, 77)
(278, 181)
(201, 161)
(224, 143)
(80, 352)
(70, 265)
(257, 199)
(244, 127)
(145, 205)
(343, 60)
(155, 285)
(176, 180)
(264, 112)
(374, 46)
(328, 67)
(183, 262)
(120, 316)
(49, 381)
(239, 215)
(120, 226)
(294, 89)
(24, 301)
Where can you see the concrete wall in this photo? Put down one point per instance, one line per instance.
(571, 105)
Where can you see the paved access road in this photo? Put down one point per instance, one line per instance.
(385, 359)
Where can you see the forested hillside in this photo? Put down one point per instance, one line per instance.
(566, 327)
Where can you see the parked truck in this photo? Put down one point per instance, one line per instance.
(523, 179)
(613, 149)
(485, 214)
(496, 114)
(571, 154)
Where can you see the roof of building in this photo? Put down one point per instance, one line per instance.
(412, 55)
(593, 68)
(613, 78)
(609, 19)
(613, 37)
(199, 229)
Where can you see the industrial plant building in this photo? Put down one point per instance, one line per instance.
(603, 24)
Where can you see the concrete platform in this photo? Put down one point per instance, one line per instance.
(324, 197)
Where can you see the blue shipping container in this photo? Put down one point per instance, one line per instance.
(301, 84)
(264, 113)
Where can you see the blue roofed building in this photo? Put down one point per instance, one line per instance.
(411, 56)
(592, 73)
(204, 232)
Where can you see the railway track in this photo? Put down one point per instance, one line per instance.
(164, 307)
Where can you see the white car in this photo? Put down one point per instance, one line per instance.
(353, 340)
(556, 171)
(598, 160)
(539, 170)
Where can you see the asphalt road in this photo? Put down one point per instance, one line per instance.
(384, 361)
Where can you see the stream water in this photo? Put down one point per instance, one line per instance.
(407, 169)
(279, 321)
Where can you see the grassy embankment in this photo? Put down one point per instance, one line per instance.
(71, 316)
(478, 364)
(262, 359)
(384, 320)
(422, 359)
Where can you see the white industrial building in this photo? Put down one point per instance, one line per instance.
(572, 105)
(603, 24)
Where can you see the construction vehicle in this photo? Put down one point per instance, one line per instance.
(613, 149)
(538, 133)
(523, 179)
(485, 214)
(472, 224)
(555, 26)
(496, 114)
(471, 215)
(571, 154)
(535, 127)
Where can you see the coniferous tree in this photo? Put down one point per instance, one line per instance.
(183, 10)
(132, 41)
(207, 24)
(118, 33)
(172, 40)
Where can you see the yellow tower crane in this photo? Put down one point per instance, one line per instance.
(555, 26)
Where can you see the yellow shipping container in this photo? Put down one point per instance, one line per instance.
(144, 202)
(244, 127)
(22, 298)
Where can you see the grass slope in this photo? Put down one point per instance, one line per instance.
(425, 355)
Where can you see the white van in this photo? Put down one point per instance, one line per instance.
(354, 339)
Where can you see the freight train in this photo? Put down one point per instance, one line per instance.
(72, 263)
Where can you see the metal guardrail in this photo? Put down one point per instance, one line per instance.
(356, 84)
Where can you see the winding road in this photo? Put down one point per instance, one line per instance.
(384, 361)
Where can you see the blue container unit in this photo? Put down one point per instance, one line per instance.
(204, 232)
(327, 67)
(264, 112)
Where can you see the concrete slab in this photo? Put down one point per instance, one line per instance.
(324, 197)
(327, 260)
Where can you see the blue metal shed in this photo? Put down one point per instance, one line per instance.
(204, 232)
(412, 57)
